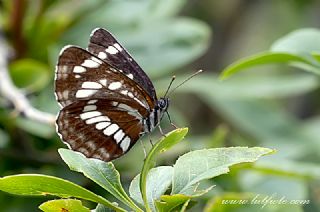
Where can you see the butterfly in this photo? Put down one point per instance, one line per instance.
(107, 101)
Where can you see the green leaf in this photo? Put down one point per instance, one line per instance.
(164, 144)
(297, 48)
(41, 185)
(198, 165)
(287, 167)
(100, 172)
(30, 74)
(301, 42)
(266, 86)
(158, 181)
(316, 56)
(261, 59)
(180, 42)
(262, 120)
(102, 208)
(137, 11)
(273, 184)
(219, 136)
(67, 205)
(169, 202)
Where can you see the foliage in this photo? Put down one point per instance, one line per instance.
(151, 193)
(274, 104)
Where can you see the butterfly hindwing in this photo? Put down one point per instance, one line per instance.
(105, 46)
(99, 128)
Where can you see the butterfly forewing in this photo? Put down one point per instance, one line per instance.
(105, 46)
(81, 75)
(99, 128)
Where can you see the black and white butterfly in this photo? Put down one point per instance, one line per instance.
(108, 102)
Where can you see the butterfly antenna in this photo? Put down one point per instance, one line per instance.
(184, 81)
(173, 78)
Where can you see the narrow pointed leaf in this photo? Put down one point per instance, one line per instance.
(164, 144)
(262, 59)
(41, 185)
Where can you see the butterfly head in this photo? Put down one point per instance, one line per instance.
(163, 104)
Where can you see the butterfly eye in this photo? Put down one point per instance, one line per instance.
(162, 103)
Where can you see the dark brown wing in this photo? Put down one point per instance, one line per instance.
(106, 47)
(81, 75)
(99, 128)
(102, 109)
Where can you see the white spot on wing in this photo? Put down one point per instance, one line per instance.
(111, 129)
(130, 76)
(125, 144)
(63, 69)
(77, 76)
(124, 92)
(114, 104)
(79, 69)
(111, 50)
(91, 85)
(65, 94)
(103, 82)
(97, 119)
(118, 47)
(93, 101)
(85, 93)
(102, 55)
(96, 60)
(118, 136)
(115, 85)
(130, 95)
(102, 125)
(90, 114)
(89, 108)
(126, 107)
(90, 64)
(114, 70)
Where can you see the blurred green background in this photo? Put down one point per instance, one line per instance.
(273, 106)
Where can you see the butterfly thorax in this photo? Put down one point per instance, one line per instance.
(153, 120)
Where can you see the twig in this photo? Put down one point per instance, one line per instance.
(14, 95)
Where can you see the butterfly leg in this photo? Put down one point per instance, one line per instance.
(144, 149)
(161, 132)
(150, 140)
(172, 124)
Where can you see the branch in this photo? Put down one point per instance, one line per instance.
(14, 95)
